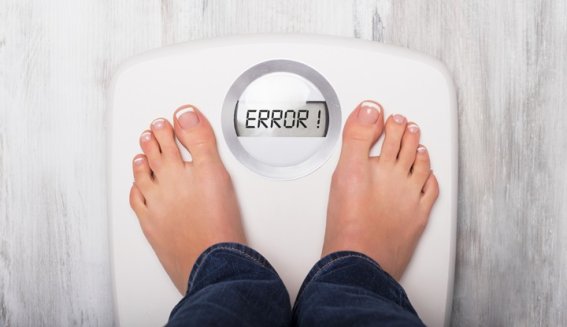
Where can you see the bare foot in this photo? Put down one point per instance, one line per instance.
(183, 207)
(380, 206)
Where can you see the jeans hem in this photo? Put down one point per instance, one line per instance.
(238, 248)
(227, 250)
(326, 264)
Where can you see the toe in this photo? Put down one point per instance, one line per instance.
(430, 192)
(150, 146)
(408, 150)
(362, 128)
(137, 201)
(195, 133)
(163, 132)
(142, 173)
(421, 167)
(395, 127)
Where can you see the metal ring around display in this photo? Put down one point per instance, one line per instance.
(289, 172)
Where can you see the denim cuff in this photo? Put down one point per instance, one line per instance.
(224, 250)
(369, 275)
(238, 249)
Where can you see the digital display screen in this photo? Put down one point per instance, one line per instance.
(308, 120)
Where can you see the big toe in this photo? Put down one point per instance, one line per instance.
(195, 133)
(362, 128)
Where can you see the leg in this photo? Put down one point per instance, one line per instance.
(185, 208)
(378, 209)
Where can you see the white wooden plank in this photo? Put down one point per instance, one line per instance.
(55, 63)
(188, 20)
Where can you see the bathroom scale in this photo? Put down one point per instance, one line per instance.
(277, 104)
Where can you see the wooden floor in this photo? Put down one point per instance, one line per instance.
(508, 59)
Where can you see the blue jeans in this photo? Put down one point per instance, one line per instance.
(233, 285)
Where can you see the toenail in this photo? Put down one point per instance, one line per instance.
(158, 123)
(369, 112)
(399, 119)
(138, 161)
(371, 105)
(421, 149)
(187, 117)
(146, 136)
(413, 128)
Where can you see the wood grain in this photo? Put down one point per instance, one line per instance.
(508, 61)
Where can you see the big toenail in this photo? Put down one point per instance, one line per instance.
(146, 136)
(369, 112)
(413, 128)
(158, 123)
(399, 119)
(138, 161)
(187, 117)
(421, 149)
(371, 105)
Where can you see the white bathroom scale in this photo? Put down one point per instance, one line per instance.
(277, 104)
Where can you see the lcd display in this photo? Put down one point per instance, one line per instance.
(308, 120)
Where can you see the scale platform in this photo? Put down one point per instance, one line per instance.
(277, 104)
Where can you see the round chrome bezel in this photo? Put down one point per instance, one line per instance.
(277, 172)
